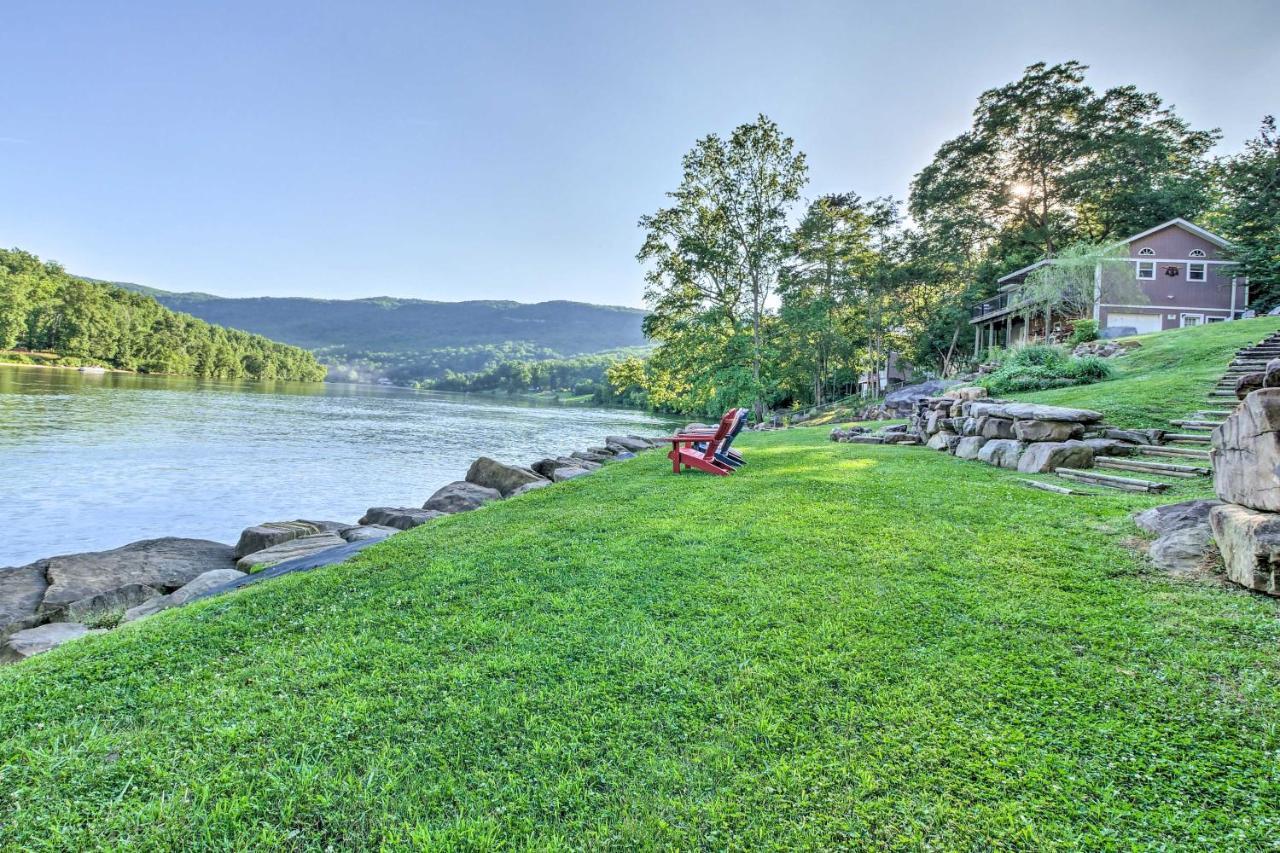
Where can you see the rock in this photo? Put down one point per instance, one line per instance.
(530, 487)
(1250, 544)
(493, 474)
(1002, 452)
(1182, 552)
(1250, 382)
(1170, 517)
(117, 599)
(165, 564)
(207, 582)
(905, 398)
(943, 440)
(146, 608)
(1032, 412)
(399, 517)
(559, 475)
(1047, 430)
(263, 536)
(1246, 453)
(1134, 436)
(546, 467)
(458, 496)
(365, 532)
(1044, 456)
(626, 454)
(574, 462)
(999, 428)
(967, 392)
(601, 451)
(1110, 447)
(1272, 374)
(899, 438)
(301, 547)
(969, 427)
(630, 442)
(968, 447)
(590, 456)
(649, 443)
(21, 590)
(33, 641)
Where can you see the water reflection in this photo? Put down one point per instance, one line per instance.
(95, 461)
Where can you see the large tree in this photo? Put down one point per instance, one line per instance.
(714, 255)
(1251, 191)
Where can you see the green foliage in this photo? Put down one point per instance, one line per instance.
(840, 646)
(1084, 331)
(1036, 368)
(43, 308)
(1251, 190)
(584, 375)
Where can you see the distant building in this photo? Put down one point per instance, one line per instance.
(895, 372)
(1177, 266)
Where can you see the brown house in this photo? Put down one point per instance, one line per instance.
(1174, 276)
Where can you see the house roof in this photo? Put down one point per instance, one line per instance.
(1189, 227)
(1026, 269)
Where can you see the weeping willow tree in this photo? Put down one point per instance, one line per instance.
(1077, 278)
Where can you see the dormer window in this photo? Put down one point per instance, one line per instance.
(1146, 252)
(1196, 253)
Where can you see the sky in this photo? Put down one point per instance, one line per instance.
(506, 150)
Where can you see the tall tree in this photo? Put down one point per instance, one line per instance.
(1251, 190)
(714, 255)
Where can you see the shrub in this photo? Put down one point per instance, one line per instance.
(1038, 368)
(1084, 331)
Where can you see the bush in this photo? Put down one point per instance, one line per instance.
(1038, 368)
(1084, 331)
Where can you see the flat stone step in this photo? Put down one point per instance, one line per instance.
(1196, 424)
(1185, 452)
(1186, 438)
(1206, 414)
(864, 439)
(1166, 469)
(1127, 484)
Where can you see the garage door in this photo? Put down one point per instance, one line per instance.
(1144, 323)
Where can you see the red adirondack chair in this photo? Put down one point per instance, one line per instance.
(684, 453)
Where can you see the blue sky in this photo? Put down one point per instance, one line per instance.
(506, 150)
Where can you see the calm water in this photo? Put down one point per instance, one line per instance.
(92, 462)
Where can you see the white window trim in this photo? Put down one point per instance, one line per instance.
(1182, 319)
(1204, 272)
(1146, 252)
(1138, 270)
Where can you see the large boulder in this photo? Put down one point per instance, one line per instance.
(1111, 447)
(263, 536)
(943, 440)
(1170, 517)
(1134, 436)
(117, 599)
(493, 474)
(1043, 457)
(906, 397)
(21, 591)
(207, 582)
(633, 443)
(460, 496)
(589, 456)
(1246, 453)
(164, 564)
(1248, 383)
(1271, 375)
(300, 547)
(33, 641)
(1032, 412)
(1047, 430)
(1250, 544)
(1002, 452)
(568, 472)
(967, 392)
(399, 517)
(366, 532)
(969, 446)
(1000, 428)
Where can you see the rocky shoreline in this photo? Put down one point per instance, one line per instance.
(57, 599)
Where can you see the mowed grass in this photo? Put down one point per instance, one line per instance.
(841, 645)
(1167, 378)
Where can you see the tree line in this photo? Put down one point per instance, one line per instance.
(44, 309)
(757, 298)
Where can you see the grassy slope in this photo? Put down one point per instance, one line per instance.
(841, 645)
(1167, 378)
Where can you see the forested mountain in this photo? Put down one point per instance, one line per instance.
(44, 309)
(412, 340)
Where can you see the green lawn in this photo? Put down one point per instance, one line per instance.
(1167, 377)
(842, 645)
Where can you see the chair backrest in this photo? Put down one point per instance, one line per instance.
(726, 424)
(738, 424)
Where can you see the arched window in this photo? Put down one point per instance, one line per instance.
(1196, 253)
(1146, 251)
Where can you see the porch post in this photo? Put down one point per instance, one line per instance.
(1008, 329)
(991, 336)
(977, 340)
(1233, 295)
(1097, 293)
(1048, 322)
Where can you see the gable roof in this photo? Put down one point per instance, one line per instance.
(1189, 227)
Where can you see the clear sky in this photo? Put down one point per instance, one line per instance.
(506, 150)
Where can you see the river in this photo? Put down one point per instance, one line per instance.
(89, 462)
